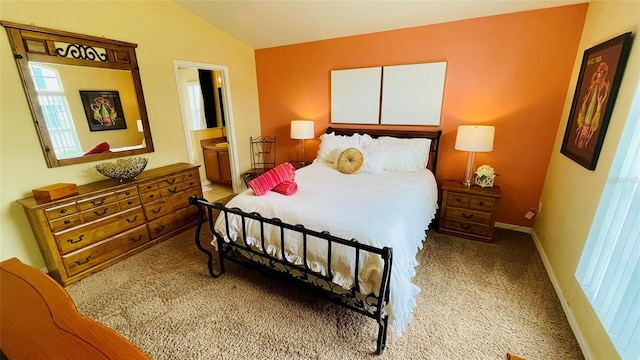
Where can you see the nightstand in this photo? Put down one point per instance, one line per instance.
(469, 212)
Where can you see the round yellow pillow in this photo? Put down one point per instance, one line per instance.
(350, 161)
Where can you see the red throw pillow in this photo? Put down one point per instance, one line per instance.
(286, 188)
(267, 181)
(103, 147)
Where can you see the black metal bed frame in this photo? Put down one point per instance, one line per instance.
(370, 305)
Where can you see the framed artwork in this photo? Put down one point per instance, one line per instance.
(103, 110)
(596, 90)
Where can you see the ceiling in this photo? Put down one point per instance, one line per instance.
(264, 23)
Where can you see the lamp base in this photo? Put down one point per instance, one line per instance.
(468, 172)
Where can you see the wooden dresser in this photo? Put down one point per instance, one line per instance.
(108, 221)
(469, 212)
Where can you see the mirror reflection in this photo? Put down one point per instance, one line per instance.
(87, 110)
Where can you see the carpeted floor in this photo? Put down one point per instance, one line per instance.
(478, 301)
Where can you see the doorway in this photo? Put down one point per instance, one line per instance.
(205, 104)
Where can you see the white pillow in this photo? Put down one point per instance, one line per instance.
(422, 147)
(331, 145)
(374, 160)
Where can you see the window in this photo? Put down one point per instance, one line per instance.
(609, 269)
(196, 105)
(55, 109)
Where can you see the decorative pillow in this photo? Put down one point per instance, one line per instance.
(350, 161)
(421, 146)
(103, 147)
(288, 188)
(267, 181)
(331, 145)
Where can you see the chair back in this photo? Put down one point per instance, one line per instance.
(263, 152)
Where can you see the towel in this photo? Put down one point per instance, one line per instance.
(288, 188)
(267, 181)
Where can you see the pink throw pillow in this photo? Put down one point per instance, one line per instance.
(267, 181)
(286, 188)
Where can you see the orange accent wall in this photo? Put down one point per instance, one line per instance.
(511, 71)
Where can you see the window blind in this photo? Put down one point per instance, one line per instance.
(609, 268)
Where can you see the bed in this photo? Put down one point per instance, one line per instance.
(353, 238)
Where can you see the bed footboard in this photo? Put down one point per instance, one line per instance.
(370, 305)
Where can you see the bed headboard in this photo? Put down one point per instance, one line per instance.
(433, 135)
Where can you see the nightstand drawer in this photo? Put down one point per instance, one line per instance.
(466, 227)
(482, 203)
(468, 215)
(457, 199)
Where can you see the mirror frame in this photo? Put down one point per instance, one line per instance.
(33, 43)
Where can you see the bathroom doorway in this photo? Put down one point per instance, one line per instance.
(207, 118)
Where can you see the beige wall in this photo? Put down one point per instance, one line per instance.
(164, 32)
(571, 193)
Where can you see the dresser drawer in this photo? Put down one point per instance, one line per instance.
(99, 212)
(169, 204)
(174, 189)
(172, 221)
(99, 230)
(143, 188)
(468, 215)
(170, 180)
(129, 203)
(482, 203)
(127, 193)
(100, 252)
(97, 201)
(150, 196)
(191, 175)
(60, 211)
(466, 227)
(66, 222)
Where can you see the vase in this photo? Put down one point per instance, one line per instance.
(484, 181)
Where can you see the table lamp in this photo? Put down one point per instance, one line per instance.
(473, 138)
(302, 130)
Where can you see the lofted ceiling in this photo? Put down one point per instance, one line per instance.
(264, 23)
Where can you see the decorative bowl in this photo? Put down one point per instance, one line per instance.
(123, 169)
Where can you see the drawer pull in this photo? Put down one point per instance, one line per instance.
(134, 219)
(149, 187)
(465, 226)
(127, 192)
(481, 203)
(159, 229)
(71, 241)
(170, 182)
(94, 203)
(156, 211)
(137, 239)
(151, 196)
(67, 221)
(174, 190)
(80, 262)
(467, 216)
(129, 202)
(63, 211)
(96, 213)
(458, 199)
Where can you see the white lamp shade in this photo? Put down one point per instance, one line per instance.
(302, 129)
(476, 138)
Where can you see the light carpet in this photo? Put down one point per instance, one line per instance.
(478, 301)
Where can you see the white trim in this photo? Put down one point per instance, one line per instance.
(519, 228)
(230, 123)
(584, 346)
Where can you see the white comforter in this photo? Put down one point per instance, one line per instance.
(386, 209)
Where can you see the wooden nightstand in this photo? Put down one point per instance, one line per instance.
(469, 212)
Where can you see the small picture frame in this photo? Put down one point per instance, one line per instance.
(103, 110)
(596, 90)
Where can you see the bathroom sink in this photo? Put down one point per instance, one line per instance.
(223, 145)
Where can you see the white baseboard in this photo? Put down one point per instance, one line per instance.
(519, 228)
(584, 346)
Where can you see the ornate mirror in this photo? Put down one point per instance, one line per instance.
(84, 92)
